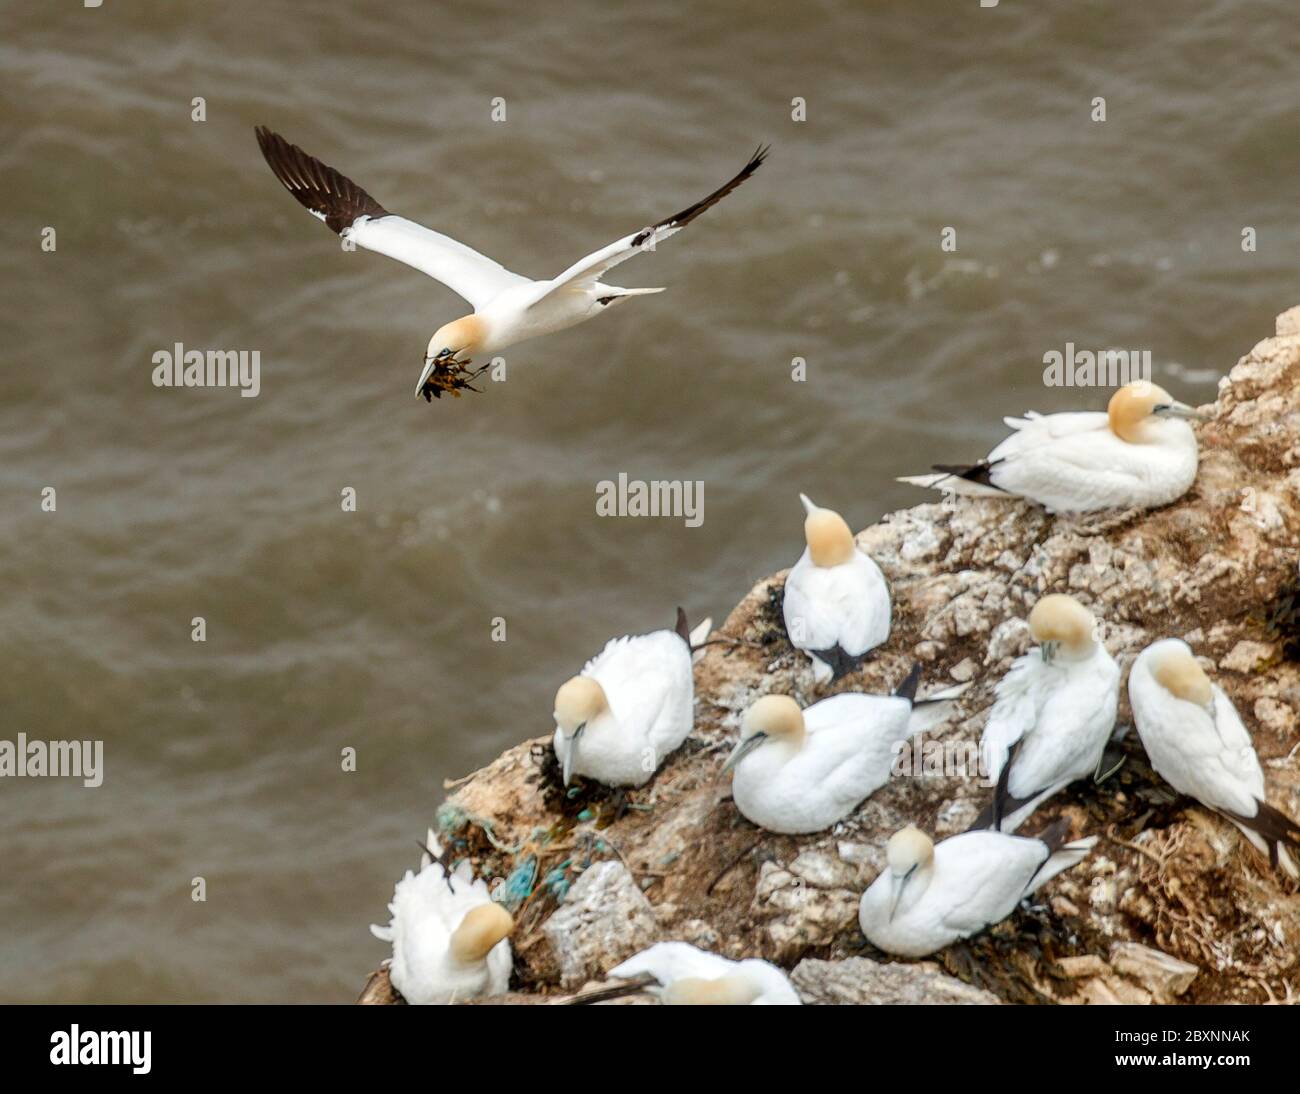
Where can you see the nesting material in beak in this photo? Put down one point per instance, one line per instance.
(446, 373)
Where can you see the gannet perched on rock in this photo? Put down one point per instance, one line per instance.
(836, 603)
(799, 771)
(1196, 742)
(508, 308)
(449, 937)
(678, 973)
(1137, 455)
(1054, 712)
(632, 705)
(929, 896)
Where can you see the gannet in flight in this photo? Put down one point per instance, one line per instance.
(449, 937)
(508, 308)
(1054, 712)
(632, 705)
(1196, 742)
(928, 896)
(678, 973)
(1139, 454)
(799, 771)
(836, 602)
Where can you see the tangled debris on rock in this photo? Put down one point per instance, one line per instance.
(1173, 906)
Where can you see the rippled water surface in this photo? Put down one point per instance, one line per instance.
(372, 630)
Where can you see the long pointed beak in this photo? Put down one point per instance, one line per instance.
(571, 753)
(743, 749)
(433, 362)
(1181, 410)
(896, 891)
(1049, 652)
(808, 504)
(429, 366)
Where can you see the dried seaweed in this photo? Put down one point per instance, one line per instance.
(453, 377)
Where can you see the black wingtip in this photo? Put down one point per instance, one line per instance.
(683, 628)
(316, 186)
(1274, 827)
(1056, 835)
(910, 683)
(981, 473)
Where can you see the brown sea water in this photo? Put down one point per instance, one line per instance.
(373, 630)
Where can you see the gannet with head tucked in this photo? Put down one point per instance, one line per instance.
(1053, 714)
(929, 896)
(632, 705)
(449, 937)
(508, 308)
(679, 974)
(1138, 455)
(1197, 743)
(836, 602)
(799, 771)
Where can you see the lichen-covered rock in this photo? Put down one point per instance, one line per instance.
(798, 914)
(1162, 975)
(604, 920)
(1218, 568)
(856, 981)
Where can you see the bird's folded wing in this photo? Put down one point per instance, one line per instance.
(1201, 767)
(987, 888)
(1033, 431)
(351, 212)
(1092, 464)
(1014, 713)
(589, 270)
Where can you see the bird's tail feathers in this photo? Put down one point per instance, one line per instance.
(971, 480)
(636, 986)
(698, 637)
(1274, 833)
(952, 484)
(934, 709)
(432, 848)
(1063, 855)
(612, 294)
(907, 686)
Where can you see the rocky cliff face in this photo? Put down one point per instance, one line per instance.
(1172, 906)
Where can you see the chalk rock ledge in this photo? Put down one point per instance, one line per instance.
(1172, 906)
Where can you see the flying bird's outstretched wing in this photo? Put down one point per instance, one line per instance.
(352, 213)
(584, 273)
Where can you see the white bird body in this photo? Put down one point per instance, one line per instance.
(847, 755)
(508, 307)
(426, 911)
(1061, 713)
(1197, 743)
(684, 974)
(970, 882)
(798, 782)
(834, 612)
(649, 710)
(1136, 455)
